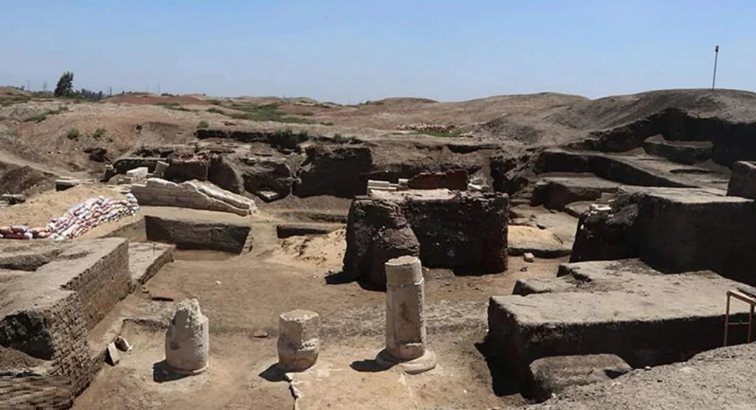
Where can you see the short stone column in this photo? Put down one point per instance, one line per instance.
(405, 317)
(298, 340)
(187, 341)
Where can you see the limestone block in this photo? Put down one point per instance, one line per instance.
(298, 340)
(137, 173)
(112, 355)
(405, 317)
(160, 168)
(528, 257)
(187, 341)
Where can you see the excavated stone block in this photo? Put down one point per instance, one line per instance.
(552, 375)
(298, 340)
(187, 340)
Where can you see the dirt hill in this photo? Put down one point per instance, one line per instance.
(63, 133)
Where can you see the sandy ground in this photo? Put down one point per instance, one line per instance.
(243, 296)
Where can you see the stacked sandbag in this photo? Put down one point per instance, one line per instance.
(78, 220)
(82, 217)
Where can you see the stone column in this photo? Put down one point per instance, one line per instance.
(187, 341)
(298, 340)
(405, 317)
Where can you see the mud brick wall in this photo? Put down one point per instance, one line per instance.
(103, 284)
(55, 332)
(68, 331)
(35, 393)
(224, 237)
(467, 233)
(181, 171)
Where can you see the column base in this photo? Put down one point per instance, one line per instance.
(182, 372)
(415, 366)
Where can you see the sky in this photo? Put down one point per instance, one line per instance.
(350, 51)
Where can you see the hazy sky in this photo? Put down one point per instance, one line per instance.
(350, 50)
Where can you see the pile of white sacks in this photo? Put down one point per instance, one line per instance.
(78, 220)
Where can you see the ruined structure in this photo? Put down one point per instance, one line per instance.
(55, 293)
(191, 194)
(464, 231)
(405, 317)
(298, 340)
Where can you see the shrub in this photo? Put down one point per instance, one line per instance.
(307, 114)
(73, 134)
(287, 138)
(99, 133)
(340, 139)
(215, 111)
(215, 102)
(203, 124)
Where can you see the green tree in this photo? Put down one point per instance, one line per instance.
(65, 85)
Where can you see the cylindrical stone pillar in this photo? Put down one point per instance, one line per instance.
(405, 317)
(298, 340)
(405, 298)
(187, 341)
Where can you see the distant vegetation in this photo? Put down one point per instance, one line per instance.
(203, 124)
(288, 138)
(215, 110)
(340, 139)
(267, 112)
(65, 89)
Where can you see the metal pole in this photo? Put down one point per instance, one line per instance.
(716, 56)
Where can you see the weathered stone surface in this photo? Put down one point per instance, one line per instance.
(366, 218)
(112, 355)
(146, 259)
(629, 170)
(268, 175)
(743, 180)
(122, 344)
(303, 228)
(608, 235)
(558, 192)
(187, 340)
(466, 232)
(198, 234)
(618, 307)
(48, 310)
(719, 378)
(455, 180)
(405, 317)
(191, 194)
(509, 173)
(298, 340)
(682, 152)
(552, 375)
(333, 170)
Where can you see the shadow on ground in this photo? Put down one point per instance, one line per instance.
(503, 379)
(162, 373)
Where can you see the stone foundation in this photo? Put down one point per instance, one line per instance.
(63, 290)
(193, 194)
(464, 231)
(198, 234)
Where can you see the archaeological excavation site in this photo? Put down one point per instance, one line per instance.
(527, 252)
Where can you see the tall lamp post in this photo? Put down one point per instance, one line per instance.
(716, 55)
